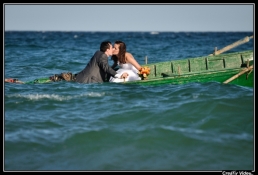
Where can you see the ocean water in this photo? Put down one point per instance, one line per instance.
(66, 126)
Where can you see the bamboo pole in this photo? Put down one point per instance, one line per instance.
(237, 75)
(235, 44)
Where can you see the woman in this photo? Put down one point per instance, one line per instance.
(126, 62)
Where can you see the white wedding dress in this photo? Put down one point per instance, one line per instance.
(128, 68)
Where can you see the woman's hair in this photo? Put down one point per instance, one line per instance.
(121, 55)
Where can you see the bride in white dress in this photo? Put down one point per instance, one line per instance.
(126, 62)
(129, 69)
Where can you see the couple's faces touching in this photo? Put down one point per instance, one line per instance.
(113, 50)
(110, 50)
(116, 49)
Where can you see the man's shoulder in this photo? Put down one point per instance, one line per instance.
(98, 52)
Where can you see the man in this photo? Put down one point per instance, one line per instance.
(98, 69)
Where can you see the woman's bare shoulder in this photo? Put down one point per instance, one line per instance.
(128, 55)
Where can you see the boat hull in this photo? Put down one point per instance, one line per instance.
(217, 68)
(221, 76)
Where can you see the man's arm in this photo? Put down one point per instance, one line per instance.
(103, 63)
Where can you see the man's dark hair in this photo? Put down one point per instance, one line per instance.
(104, 46)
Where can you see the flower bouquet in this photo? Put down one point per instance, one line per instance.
(144, 72)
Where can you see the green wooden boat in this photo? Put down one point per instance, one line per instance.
(231, 68)
(228, 68)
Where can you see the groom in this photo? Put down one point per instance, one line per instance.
(98, 68)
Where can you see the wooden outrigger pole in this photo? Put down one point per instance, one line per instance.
(240, 73)
(235, 44)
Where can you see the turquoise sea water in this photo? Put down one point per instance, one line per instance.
(66, 126)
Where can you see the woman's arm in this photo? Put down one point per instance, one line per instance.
(130, 59)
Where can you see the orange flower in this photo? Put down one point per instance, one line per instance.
(144, 72)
